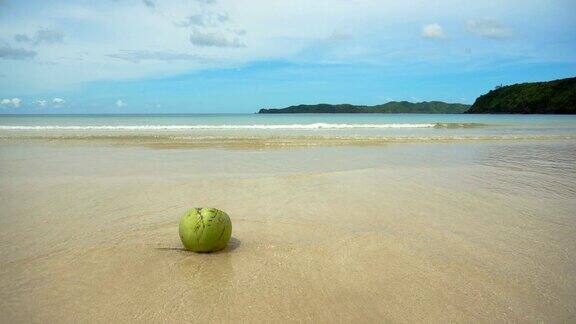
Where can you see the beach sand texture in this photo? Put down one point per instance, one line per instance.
(409, 232)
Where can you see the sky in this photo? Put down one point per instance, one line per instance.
(237, 56)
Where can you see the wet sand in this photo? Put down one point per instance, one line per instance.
(459, 231)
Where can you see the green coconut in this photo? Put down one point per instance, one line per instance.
(205, 229)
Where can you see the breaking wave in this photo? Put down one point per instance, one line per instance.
(315, 126)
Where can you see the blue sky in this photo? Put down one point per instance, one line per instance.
(191, 56)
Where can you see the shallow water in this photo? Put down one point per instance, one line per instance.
(406, 232)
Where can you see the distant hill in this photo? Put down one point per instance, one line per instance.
(393, 107)
(553, 97)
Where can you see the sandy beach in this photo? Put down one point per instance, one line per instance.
(335, 161)
(403, 232)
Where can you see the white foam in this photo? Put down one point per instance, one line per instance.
(212, 127)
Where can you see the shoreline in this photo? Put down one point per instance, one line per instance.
(184, 141)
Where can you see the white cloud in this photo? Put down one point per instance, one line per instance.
(12, 53)
(433, 31)
(120, 103)
(14, 102)
(339, 36)
(22, 38)
(488, 28)
(48, 36)
(138, 56)
(214, 39)
(203, 19)
(40, 103)
(43, 35)
(58, 101)
(149, 3)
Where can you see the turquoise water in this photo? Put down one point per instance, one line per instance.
(279, 119)
(413, 125)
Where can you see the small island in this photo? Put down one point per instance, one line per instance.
(393, 107)
(552, 97)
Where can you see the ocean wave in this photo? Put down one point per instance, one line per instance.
(315, 126)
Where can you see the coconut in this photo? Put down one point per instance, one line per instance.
(205, 229)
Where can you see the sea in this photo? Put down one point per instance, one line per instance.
(390, 126)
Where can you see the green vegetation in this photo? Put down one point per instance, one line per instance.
(393, 107)
(553, 97)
